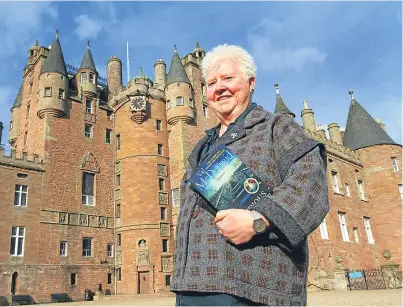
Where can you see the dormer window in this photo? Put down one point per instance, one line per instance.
(48, 92)
(83, 77)
(92, 79)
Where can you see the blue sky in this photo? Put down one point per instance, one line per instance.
(315, 50)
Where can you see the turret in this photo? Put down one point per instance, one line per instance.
(198, 53)
(321, 131)
(32, 55)
(308, 119)
(335, 133)
(160, 74)
(280, 105)
(114, 74)
(53, 83)
(15, 117)
(179, 93)
(87, 75)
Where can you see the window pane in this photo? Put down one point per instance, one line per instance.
(21, 231)
(88, 184)
(16, 199)
(14, 231)
(12, 246)
(20, 246)
(24, 199)
(24, 188)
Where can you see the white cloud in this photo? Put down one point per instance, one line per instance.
(87, 27)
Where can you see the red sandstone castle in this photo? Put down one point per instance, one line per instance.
(90, 192)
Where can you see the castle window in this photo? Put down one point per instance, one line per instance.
(88, 131)
(20, 195)
(61, 93)
(164, 245)
(163, 213)
(117, 210)
(335, 182)
(191, 102)
(395, 164)
(159, 125)
(88, 189)
(368, 230)
(119, 274)
(160, 149)
(175, 198)
(118, 179)
(87, 247)
(118, 142)
(361, 189)
(401, 191)
(28, 109)
(202, 89)
(48, 92)
(110, 250)
(83, 77)
(73, 279)
(204, 110)
(25, 138)
(343, 226)
(30, 88)
(92, 79)
(108, 134)
(109, 278)
(63, 249)
(355, 232)
(347, 189)
(161, 184)
(119, 239)
(168, 280)
(179, 101)
(323, 230)
(17, 241)
(168, 104)
(88, 105)
(11, 124)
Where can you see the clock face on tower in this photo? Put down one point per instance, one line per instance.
(138, 103)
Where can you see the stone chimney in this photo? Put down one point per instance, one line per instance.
(342, 130)
(321, 131)
(308, 118)
(334, 133)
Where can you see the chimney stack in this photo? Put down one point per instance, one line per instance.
(308, 118)
(334, 133)
(321, 131)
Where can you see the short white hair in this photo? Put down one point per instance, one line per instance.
(229, 52)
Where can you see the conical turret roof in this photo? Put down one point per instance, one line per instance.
(17, 101)
(177, 72)
(362, 130)
(88, 61)
(55, 59)
(280, 105)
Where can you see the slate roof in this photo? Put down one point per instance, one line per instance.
(362, 130)
(177, 72)
(17, 101)
(88, 61)
(280, 105)
(55, 60)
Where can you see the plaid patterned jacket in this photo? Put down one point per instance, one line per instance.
(271, 269)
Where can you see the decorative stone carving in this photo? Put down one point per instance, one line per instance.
(102, 221)
(163, 198)
(162, 170)
(387, 254)
(164, 229)
(93, 220)
(118, 167)
(83, 220)
(166, 264)
(117, 194)
(143, 258)
(89, 163)
(142, 243)
(73, 219)
(119, 257)
(62, 218)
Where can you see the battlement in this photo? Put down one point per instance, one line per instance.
(23, 161)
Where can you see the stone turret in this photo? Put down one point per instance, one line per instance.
(53, 83)
(87, 75)
(114, 74)
(308, 118)
(160, 74)
(321, 131)
(335, 133)
(280, 105)
(33, 54)
(15, 117)
(179, 93)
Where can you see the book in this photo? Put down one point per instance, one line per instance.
(226, 182)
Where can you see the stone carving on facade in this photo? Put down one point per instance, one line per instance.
(73, 219)
(83, 220)
(62, 218)
(102, 221)
(162, 170)
(164, 229)
(89, 163)
(142, 243)
(118, 257)
(166, 264)
(143, 258)
(163, 198)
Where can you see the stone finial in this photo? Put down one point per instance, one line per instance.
(175, 50)
(276, 87)
(36, 42)
(88, 44)
(57, 33)
(378, 120)
(305, 105)
(351, 92)
(197, 45)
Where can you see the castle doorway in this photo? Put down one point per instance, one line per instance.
(144, 283)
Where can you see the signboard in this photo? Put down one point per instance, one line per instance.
(356, 274)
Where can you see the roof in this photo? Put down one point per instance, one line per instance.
(55, 60)
(17, 101)
(177, 72)
(362, 130)
(88, 61)
(280, 105)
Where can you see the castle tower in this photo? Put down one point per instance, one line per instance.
(308, 119)
(379, 185)
(32, 55)
(114, 74)
(87, 75)
(53, 83)
(160, 74)
(280, 105)
(15, 118)
(179, 96)
(198, 53)
(335, 133)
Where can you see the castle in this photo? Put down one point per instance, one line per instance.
(90, 192)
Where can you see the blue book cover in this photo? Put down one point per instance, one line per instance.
(226, 182)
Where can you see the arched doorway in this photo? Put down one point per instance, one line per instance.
(14, 278)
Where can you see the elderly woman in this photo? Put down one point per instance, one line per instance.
(258, 256)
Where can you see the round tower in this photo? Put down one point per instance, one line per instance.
(308, 118)
(198, 53)
(87, 75)
(179, 93)
(114, 74)
(32, 55)
(53, 83)
(160, 73)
